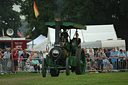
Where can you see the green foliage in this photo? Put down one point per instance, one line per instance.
(79, 11)
(93, 11)
(8, 17)
(124, 7)
(46, 13)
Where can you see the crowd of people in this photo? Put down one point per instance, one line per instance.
(102, 60)
(97, 60)
(11, 60)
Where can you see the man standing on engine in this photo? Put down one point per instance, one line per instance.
(64, 36)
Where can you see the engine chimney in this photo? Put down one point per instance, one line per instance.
(57, 31)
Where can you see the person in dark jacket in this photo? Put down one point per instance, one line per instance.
(78, 40)
(25, 57)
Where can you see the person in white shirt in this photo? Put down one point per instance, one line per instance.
(7, 61)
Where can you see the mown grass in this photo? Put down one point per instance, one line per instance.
(117, 78)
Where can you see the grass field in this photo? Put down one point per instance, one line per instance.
(117, 78)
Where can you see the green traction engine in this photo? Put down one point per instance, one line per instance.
(65, 55)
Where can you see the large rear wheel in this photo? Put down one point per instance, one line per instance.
(81, 64)
(67, 67)
(43, 67)
(54, 72)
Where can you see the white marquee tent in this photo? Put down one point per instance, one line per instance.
(96, 36)
(36, 41)
(93, 33)
(41, 46)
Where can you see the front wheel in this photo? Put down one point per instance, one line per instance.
(54, 72)
(43, 67)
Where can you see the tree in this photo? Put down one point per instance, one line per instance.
(46, 13)
(8, 17)
(91, 12)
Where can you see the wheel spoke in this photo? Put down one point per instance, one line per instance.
(67, 67)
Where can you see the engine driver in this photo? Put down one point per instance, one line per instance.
(64, 36)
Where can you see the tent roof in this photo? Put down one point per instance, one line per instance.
(39, 39)
(99, 32)
(93, 33)
(42, 45)
(96, 44)
(105, 43)
(67, 25)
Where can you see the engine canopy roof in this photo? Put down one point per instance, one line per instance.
(67, 25)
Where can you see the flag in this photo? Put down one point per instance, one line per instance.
(3, 32)
(18, 33)
(36, 10)
(33, 29)
(22, 36)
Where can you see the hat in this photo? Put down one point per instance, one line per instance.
(121, 50)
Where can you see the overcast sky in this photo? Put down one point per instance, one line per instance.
(16, 8)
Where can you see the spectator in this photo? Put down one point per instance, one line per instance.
(107, 53)
(113, 53)
(105, 60)
(29, 52)
(7, 61)
(95, 66)
(121, 54)
(35, 64)
(89, 66)
(20, 52)
(109, 67)
(30, 55)
(103, 50)
(101, 54)
(124, 51)
(97, 52)
(117, 50)
(38, 57)
(1, 59)
(45, 53)
(15, 59)
(86, 55)
(25, 57)
(91, 54)
(127, 58)
(114, 58)
(1, 55)
(20, 62)
(122, 59)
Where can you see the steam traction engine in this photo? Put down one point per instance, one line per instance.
(65, 55)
